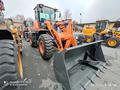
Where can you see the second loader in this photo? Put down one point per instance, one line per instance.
(102, 30)
(74, 65)
(109, 32)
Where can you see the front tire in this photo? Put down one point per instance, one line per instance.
(46, 46)
(112, 42)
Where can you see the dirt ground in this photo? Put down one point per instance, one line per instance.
(40, 75)
(110, 79)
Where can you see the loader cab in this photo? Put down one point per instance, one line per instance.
(101, 25)
(28, 23)
(43, 13)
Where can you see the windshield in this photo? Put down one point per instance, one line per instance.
(47, 14)
(101, 25)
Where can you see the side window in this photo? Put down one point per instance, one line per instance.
(53, 17)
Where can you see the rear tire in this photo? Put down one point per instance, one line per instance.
(47, 50)
(8, 65)
(114, 40)
(32, 44)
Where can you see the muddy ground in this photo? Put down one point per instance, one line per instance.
(40, 75)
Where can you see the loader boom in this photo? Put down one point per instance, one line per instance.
(65, 35)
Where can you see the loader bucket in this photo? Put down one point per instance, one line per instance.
(76, 67)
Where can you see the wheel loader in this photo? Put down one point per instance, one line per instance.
(103, 30)
(74, 65)
(10, 55)
(28, 27)
(109, 32)
(86, 36)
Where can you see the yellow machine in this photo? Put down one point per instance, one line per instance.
(109, 32)
(102, 29)
(10, 53)
(17, 35)
(88, 33)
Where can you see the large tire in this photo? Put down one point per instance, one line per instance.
(8, 65)
(112, 42)
(46, 46)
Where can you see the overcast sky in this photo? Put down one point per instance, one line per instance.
(91, 10)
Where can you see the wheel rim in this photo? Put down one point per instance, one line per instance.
(20, 66)
(112, 42)
(41, 47)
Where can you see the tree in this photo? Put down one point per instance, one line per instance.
(67, 14)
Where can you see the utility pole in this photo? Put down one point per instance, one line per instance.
(80, 18)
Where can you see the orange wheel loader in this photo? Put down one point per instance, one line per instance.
(46, 35)
(74, 65)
